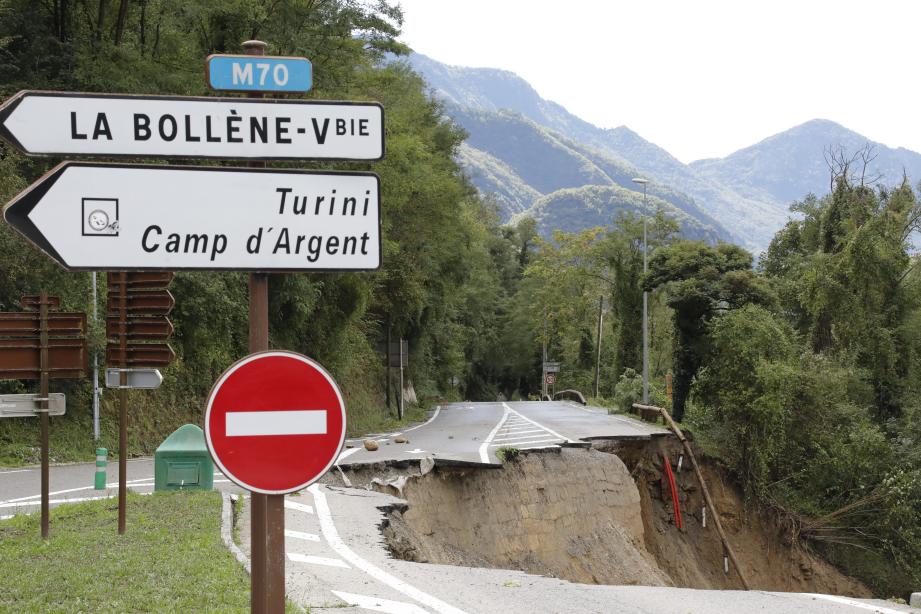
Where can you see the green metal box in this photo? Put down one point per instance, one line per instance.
(182, 461)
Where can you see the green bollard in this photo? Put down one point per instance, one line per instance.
(100, 483)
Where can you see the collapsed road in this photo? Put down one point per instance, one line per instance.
(517, 507)
(473, 432)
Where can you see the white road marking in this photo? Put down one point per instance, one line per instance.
(54, 501)
(332, 537)
(310, 537)
(551, 431)
(376, 604)
(427, 422)
(416, 451)
(317, 560)
(346, 453)
(484, 447)
(7, 517)
(285, 422)
(541, 447)
(511, 444)
(853, 603)
(520, 431)
(61, 492)
(523, 438)
(294, 505)
(16, 471)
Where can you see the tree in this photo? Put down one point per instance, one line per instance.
(701, 282)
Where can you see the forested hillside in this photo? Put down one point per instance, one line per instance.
(801, 376)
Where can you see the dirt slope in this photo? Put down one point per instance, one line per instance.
(598, 516)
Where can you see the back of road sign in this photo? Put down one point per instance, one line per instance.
(247, 73)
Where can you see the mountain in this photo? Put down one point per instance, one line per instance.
(574, 209)
(524, 150)
(518, 161)
(785, 167)
(503, 114)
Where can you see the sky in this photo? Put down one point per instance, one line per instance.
(700, 78)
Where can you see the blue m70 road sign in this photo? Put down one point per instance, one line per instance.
(263, 73)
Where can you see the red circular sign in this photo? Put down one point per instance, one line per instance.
(275, 422)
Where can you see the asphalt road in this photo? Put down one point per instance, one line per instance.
(20, 489)
(472, 432)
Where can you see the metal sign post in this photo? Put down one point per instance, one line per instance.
(43, 404)
(41, 345)
(137, 329)
(398, 358)
(259, 503)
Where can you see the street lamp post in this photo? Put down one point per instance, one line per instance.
(643, 182)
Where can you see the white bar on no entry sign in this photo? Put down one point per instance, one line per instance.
(286, 422)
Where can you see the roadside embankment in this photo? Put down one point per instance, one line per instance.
(601, 516)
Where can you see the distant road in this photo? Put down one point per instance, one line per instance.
(472, 432)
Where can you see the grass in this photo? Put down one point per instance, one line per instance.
(507, 453)
(171, 559)
(363, 423)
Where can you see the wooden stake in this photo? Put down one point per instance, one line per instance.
(703, 487)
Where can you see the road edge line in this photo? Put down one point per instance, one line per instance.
(332, 537)
(227, 531)
(484, 447)
(855, 604)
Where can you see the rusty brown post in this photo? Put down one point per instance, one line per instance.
(122, 401)
(43, 404)
(267, 512)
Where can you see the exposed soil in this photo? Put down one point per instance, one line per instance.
(693, 557)
(597, 516)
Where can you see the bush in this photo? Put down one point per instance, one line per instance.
(629, 390)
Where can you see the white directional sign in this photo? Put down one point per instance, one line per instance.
(137, 378)
(59, 123)
(134, 216)
(25, 405)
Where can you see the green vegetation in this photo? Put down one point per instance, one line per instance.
(507, 454)
(801, 376)
(172, 557)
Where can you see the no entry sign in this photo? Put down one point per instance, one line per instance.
(275, 422)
